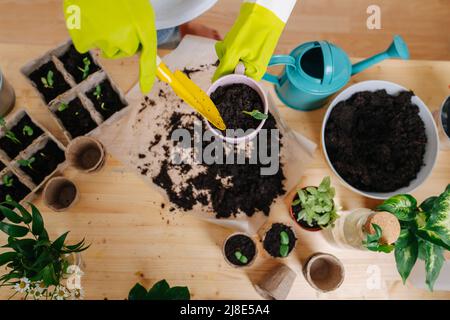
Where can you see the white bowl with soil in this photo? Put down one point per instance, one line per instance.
(379, 139)
(239, 250)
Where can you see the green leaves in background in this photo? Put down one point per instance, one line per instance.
(403, 206)
(406, 252)
(439, 221)
(160, 291)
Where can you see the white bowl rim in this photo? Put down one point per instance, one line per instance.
(432, 144)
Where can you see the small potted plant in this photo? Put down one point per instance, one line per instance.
(279, 240)
(313, 208)
(49, 81)
(425, 233)
(37, 266)
(80, 66)
(239, 250)
(105, 99)
(160, 291)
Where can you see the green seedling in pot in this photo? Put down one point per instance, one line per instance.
(372, 241)
(98, 92)
(284, 244)
(86, 67)
(256, 114)
(7, 181)
(9, 198)
(27, 163)
(63, 106)
(27, 131)
(241, 257)
(48, 81)
(425, 233)
(317, 205)
(8, 133)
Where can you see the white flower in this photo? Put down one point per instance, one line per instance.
(60, 293)
(77, 294)
(40, 286)
(23, 285)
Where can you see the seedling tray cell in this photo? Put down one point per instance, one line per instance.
(12, 188)
(79, 66)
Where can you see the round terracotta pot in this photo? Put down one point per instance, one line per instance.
(86, 154)
(312, 229)
(232, 264)
(60, 194)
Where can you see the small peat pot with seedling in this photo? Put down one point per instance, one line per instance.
(75, 118)
(313, 208)
(19, 137)
(80, 66)
(43, 162)
(160, 291)
(279, 240)
(239, 250)
(425, 233)
(49, 81)
(37, 267)
(12, 189)
(105, 99)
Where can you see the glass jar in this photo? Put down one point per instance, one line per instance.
(7, 96)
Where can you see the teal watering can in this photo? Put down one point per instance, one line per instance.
(316, 70)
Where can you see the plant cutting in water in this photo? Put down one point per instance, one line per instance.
(86, 67)
(8, 133)
(160, 291)
(48, 81)
(372, 241)
(315, 206)
(36, 264)
(284, 244)
(27, 130)
(425, 233)
(256, 114)
(7, 180)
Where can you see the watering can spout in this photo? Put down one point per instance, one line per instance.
(397, 50)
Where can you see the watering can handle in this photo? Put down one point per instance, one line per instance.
(278, 60)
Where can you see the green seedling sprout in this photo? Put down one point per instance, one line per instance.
(372, 241)
(27, 163)
(243, 259)
(63, 106)
(103, 107)
(48, 81)
(8, 198)
(258, 115)
(86, 67)
(27, 131)
(284, 244)
(7, 181)
(98, 92)
(8, 133)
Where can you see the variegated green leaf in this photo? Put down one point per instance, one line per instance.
(406, 252)
(439, 221)
(434, 260)
(403, 206)
(432, 237)
(427, 205)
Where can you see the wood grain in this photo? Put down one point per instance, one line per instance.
(133, 239)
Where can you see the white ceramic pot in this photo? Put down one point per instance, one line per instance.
(443, 136)
(239, 77)
(430, 129)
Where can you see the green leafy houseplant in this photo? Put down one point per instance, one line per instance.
(36, 264)
(425, 233)
(315, 205)
(160, 291)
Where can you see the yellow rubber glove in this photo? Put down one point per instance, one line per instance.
(119, 28)
(252, 40)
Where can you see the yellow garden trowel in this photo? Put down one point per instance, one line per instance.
(192, 94)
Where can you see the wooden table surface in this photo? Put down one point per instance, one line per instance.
(134, 241)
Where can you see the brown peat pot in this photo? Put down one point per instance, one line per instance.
(60, 194)
(86, 154)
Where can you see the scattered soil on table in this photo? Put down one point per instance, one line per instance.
(12, 148)
(376, 141)
(229, 188)
(76, 119)
(245, 245)
(73, 62)
(59, 84)
(109, 101)
(272, 239)
(232, 100)
(17, 191)
(46, 161)
(189, 71)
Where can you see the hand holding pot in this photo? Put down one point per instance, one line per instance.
(119, 29)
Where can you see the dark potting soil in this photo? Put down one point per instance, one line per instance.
(232, 100)
(272, 239)
(76, 119)
(73, 62)
(59, 84)
(245, 245)
(248, 190)
(17, 191)
(109, 101)
(376, 141)
(296, 209)
(12, 148)
(45, 162)
(65, 196)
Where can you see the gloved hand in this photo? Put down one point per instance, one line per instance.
(119, 28)
(252, 40)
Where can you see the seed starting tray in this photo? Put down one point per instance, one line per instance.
(10, 166)
(77, 90)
